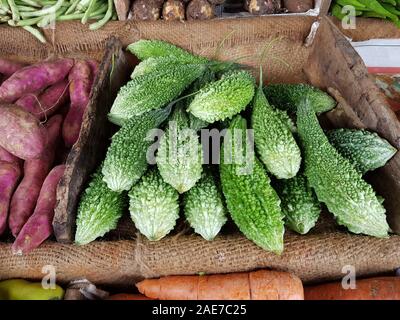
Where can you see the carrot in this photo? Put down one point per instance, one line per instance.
(47, 103)
(9, 176)
(35, 171)
(34, 78)
(8, 67)
(21, 134)
(79, 91)
(381, 288)
(257, 285)
(127, 296)
(8, 157)
(39, 226)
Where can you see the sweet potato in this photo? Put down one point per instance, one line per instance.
(8, 157)
(21, 133)
(39, 226)
(127, 296)
(173, 10)
(146, 9)
(34, 78)
(258, 285)
(381, 288)
(47, 103)
(9, 176)
(35, 171)
(200, 10)
(8, 67)
(79, 92)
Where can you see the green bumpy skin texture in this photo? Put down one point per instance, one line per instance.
(126, 161)
(252, 202)
(153, 91)
(204, 207)
(275, 143)
(336, 182)
(366, 150)
(154, 206)
(285, 118)
(154, 65)
(288, 96)
(224, 98)
(299, 203)
(99, 210)
(180, 154)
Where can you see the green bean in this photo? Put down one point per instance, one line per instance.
(72, 7)
(25, 9)
(47, 20)
(88, 11)
(24, 23)
(95, 14)
(45, 11)
(374, 5)
(36, 33)
(105, 19)
(391, 8)
(30, 2)
(83, 5)
(4, 19)
(14, 10)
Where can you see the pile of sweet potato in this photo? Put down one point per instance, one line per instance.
(41, 112)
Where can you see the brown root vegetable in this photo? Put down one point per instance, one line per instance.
(47, 103)
(200, 10)
(9, 176)
(381, 288)
(21, 133)
(35, 171)
(79, 93)
(39, 226)
(34, 78)
(216, 2)
(8, 157)
(173, 10)
(8, 67)
(257, 285)
(259, 7)
(146, 9)
(297, 6)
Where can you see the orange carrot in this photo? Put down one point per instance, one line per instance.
(382, 288)
(257, 285)
(127, 296)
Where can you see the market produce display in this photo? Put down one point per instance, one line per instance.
(32, 15)
(170, 86)
(381, 9)
(41, 112)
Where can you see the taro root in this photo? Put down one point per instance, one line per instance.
(216, 2)
(260, 7)
(146, 9)
(200, 10)
(173, 10)
(297, 6)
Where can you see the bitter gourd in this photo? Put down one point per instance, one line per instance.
(285, 118)
(366, 150)
(204, 207)
(299, 203)
(153, 206)
(99, 210)
(125, 161)
(275, 143)
(154, 65)
(224, 98)
(336, 182)
(252, 202)
(287, 97)
(153, 91)
(180, 154)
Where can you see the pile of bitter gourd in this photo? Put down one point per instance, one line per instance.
(293, 168)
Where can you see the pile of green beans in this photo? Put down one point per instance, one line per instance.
(383, 9)
(35, 14)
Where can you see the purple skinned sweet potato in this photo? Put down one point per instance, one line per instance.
(39, 226)
(46, 103)
(79, 92)
(34, 78)
(8, 67)
(9, 176)
(8, 157)
(35, 171)
(21, 134)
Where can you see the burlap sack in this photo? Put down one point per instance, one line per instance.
(326, 61)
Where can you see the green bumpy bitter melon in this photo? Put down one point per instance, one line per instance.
(366, 150)
(299, 203)
(224, 98)
(154, 65)
(252, 202)
(154, 206)
(336, 182)
(152, 91)
(99, 210)
(275, 143)
(180, 154)
(126, 160)
(288, 96)
(204, 207)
